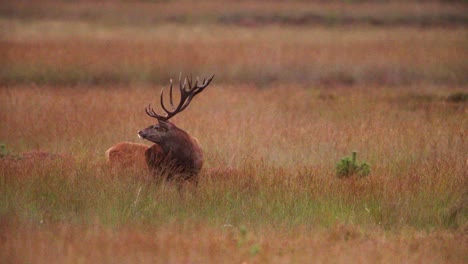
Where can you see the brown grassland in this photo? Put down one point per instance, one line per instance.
(298, 86)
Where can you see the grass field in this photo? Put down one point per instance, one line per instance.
(289, 100)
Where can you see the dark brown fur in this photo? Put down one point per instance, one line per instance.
(176, 154)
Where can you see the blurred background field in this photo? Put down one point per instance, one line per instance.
(261, 42)
(298, 85)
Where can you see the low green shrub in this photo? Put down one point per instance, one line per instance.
(348, 166)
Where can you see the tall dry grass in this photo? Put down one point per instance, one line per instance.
(193, 242)
(273, 153)
(286, 132)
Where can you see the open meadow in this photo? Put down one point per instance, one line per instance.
(298, 86)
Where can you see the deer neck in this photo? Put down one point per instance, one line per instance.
(177, 144)
(182, 150)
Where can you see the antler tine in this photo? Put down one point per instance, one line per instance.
(194, 90)
(205, 83)
(170, 97)
(189, 82)
(161, 100)
(182, 86)
(147, 110)
(186, 96)
(150, 111)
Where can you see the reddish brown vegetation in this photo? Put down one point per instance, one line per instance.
(34, 156)
(33, 161)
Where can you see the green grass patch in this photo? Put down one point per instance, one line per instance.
(87, 194)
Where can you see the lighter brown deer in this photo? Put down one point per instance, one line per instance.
(175, 154)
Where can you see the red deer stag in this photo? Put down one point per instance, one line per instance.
(175, 153)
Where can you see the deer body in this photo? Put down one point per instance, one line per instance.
(175, 153)
(127, 155)
(174, 149)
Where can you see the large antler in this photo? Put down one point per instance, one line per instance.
(186, 96)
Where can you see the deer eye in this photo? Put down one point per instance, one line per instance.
(156, 127)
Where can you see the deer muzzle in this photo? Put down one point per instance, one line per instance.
(141, 134)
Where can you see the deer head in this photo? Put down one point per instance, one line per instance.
(164, 132)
